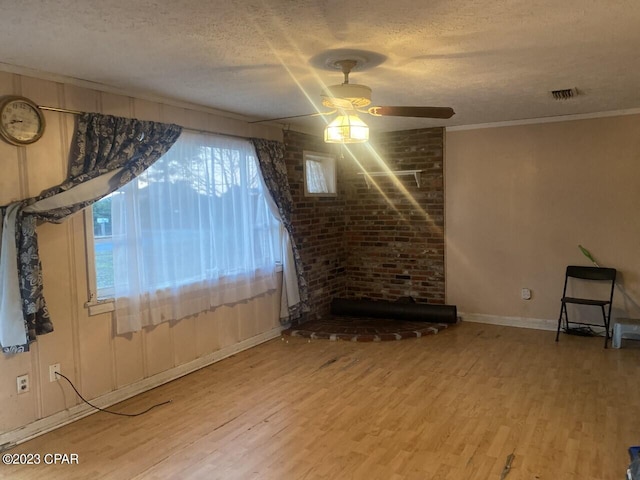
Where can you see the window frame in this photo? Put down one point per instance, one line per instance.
(93, 304)
(97, 305)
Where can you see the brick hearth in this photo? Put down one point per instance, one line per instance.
(363, 329)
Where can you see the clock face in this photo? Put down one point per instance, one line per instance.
(21, 122)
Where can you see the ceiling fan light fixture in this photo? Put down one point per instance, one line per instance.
(346, 129)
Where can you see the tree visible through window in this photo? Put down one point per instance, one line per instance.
(103, 245)
(197, 215)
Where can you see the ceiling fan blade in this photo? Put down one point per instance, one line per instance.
(422, 112)
(317, 114)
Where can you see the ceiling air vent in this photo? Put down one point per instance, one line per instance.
(564, 94)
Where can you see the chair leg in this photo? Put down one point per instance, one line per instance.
(559, 321)
(606, 325)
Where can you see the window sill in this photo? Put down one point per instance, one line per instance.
(100, 306)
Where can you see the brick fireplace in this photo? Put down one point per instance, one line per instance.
(382, 242)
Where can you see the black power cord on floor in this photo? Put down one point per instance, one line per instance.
(581, 331)
(584, 331)
(109, 411)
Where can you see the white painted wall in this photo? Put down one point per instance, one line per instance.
(519, 200)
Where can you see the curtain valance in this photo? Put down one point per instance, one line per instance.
(107, 152)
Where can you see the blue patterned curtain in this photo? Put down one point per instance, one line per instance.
(107, 153)
(274, 172)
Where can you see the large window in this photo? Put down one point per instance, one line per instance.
(196, 221)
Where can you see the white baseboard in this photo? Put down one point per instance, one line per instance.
(44, 425)
(519, 322)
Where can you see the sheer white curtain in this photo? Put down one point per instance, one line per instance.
(316, 182)
(191, 233)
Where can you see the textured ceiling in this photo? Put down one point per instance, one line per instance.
(489, 60)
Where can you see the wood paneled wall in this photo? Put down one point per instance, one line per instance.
(86, 347)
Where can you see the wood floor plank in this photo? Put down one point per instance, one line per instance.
(446, 406)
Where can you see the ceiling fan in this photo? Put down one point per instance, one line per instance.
(349, 99)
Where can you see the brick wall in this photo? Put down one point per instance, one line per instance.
(395, 233)
(383, 243)
(319, 225)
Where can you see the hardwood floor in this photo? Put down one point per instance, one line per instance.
(447, 406)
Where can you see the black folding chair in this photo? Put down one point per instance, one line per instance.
(596, 274)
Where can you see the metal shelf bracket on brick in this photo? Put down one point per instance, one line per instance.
(397, 173)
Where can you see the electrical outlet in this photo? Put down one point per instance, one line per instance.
(52, 372)
(23, 383)
(525, 294)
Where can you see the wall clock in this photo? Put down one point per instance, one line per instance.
(21, 120)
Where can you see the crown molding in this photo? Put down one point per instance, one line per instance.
(553, 119)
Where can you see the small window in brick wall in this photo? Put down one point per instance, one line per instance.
(319, 174)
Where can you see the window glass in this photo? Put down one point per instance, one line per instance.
(319, 174)
(197, 216)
